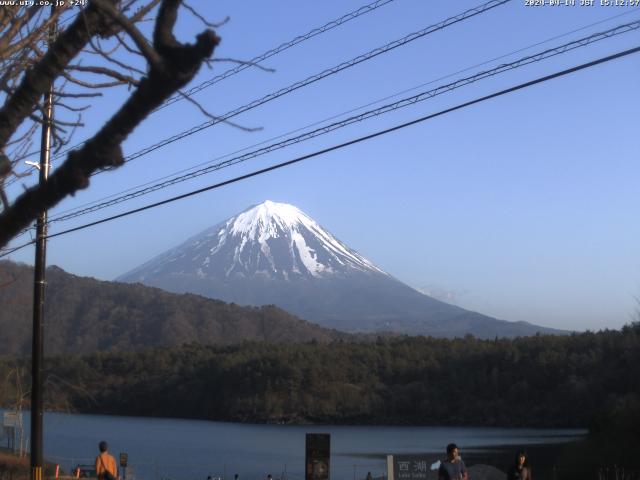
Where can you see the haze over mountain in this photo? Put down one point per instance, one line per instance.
(273, 253)
(84, 315)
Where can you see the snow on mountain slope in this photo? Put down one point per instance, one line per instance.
(275, 240)
(272, 220)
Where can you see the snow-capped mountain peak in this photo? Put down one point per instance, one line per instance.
(259, 232)
(263, 221)
(272, 240)
(312, 249)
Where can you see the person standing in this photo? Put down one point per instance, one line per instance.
(520, 469)
(453, 468)
(106, 468)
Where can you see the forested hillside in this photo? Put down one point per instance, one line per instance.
(588, 379)
(84, 315)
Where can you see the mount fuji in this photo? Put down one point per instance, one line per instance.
(273, 253)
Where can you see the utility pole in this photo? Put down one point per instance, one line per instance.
(39, 283)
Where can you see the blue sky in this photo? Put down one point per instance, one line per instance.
(524, 207)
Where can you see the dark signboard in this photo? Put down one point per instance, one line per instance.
(318, 452)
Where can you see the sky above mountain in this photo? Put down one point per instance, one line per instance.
(523, 207)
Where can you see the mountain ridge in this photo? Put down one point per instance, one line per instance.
(273, 253)
(84, 315)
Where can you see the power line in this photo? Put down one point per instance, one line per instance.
(381, 110)
(263, 56)
(15, 179)
(348, 143)
(279, 49)
(15, 249)
(551, 52)
(319, 76)
(121, 193)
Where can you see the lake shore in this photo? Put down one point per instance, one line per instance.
(180, 449)
(545, 459)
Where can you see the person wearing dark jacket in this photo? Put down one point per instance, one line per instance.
(452, 468)
(520, 469)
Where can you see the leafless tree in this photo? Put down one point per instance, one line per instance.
(101, 45)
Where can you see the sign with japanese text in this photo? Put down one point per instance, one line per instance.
(408, 467)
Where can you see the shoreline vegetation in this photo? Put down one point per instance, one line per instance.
(586, 380)
(580, 380)
(14, 467)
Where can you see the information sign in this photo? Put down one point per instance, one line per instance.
(408, 467)
(12, 419)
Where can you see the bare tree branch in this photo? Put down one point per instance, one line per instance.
(82, 83)
(79, 95)
(17, 23)
(195, 13)
(70, 108)
(127, 47)
(175, 65)
(214, 117)
(3, 198)
(22, 137)
(142, 12)
(23, 32)
(138, 38)
(38, 80)
(107, 72)
(8, 50)
(38, 119)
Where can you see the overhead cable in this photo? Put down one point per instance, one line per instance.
(333, 117)
(346, 144)
(263, 56)
(319, 76)
(422, 96)
(279, 49)
(627, 12)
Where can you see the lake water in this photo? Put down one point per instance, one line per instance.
(192, 449)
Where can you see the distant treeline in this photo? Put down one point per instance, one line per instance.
(587, 379)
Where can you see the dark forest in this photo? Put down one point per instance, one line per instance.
(581, 380)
